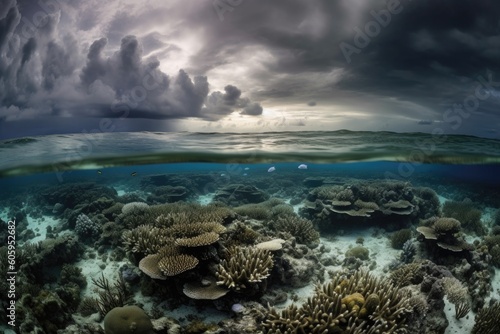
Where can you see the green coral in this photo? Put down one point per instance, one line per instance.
(398, 238)
(127, 320)
(358, 252)
(302, 229)
(467, 213)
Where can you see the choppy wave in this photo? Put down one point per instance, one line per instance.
(80, 151)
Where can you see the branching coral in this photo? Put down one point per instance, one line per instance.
(109, 296)
(301, 229)
(358, 304)
(167, 243)
(467, 213)
(145, 239)
(244, 267)
(488, 320)
(458, 295)
(407, 274)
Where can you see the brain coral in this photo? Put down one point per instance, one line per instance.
(127, 320)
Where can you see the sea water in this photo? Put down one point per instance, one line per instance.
(204, 168)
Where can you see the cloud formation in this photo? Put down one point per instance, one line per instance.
(409, 66)
(45, 73)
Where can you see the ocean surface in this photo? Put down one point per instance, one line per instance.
(94, 215)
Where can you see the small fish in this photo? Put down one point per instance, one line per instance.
(133, 173)
(271, 169)
(223, 174)
(302, 166)
(99, 172)
(246, 168)
(245, 174)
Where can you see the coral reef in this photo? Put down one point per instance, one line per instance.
(238, 194)
(207, 288)
(168, 194)
(467, 213)
(458, 295)
(399, 238)
(358, 252)
(487, 320)
(444, 233)
(109, 296)
(376, 202)
(357, 304)
(127, 320)
(302, 229)
(85, 227)
(407, 274)
(244, 267)
(408, 252)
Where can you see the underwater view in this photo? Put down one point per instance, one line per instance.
(291, 232)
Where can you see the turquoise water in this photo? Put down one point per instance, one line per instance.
(67, 194)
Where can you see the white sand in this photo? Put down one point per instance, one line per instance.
(205, 199)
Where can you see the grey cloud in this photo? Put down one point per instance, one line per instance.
(253, 109)
(220, 104)
(28, 50)
(311, 103)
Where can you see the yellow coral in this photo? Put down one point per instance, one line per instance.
(354, 302)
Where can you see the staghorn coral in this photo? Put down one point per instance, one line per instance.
(244, 267)
(407, 274)
(487, 321)
(458, 295)
(253, 211)
(165, 215)
(301, 229)
(145, 239)
(358, 304)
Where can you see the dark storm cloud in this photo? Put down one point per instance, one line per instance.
(150, 92)
(424, 61)
(427, 53)
(43, 72)
(252, 109)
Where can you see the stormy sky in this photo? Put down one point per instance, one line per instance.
(249, 65)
